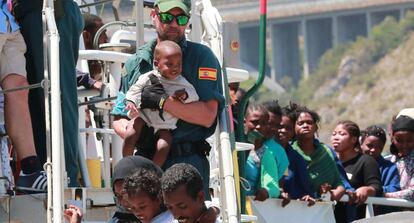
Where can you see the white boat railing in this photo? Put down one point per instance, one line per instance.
(55, 180)
(371, 201)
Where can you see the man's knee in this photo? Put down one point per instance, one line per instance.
(12, 81)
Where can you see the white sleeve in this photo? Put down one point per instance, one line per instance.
(191, 92)
(135, 91)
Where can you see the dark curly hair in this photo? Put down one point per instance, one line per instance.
(143, 180)
(290, 111)
(182, 174)
(374, 130)
(295, 110)
(273, 107)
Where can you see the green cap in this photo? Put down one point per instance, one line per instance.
(167, 5)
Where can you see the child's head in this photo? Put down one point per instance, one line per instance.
(306, 122)
(373, 139)
(124, 168)
(182, 190)
(345, 137)
(403, 135)
(275, 116)
(143, 190)
(286, 131)
(167, 59)
(257, 118)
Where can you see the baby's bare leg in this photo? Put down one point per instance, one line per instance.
(163, 146)
(132, 135)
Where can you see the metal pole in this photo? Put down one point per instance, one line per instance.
(139, 4)
(249, 93)
(56, 123)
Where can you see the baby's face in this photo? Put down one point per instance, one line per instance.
(170, 65)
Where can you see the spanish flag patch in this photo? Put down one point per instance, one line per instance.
(205, 73)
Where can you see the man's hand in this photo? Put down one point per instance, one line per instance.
(154, 95)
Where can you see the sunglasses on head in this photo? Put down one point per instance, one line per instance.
(167, 18)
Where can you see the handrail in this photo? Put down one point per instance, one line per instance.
(396, 202)
(109, 56)
(250, 92)
(55, 184)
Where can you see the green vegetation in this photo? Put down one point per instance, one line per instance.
(380, 88)
(382, 39)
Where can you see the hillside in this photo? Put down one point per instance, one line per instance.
(366, 81)
(375, 96)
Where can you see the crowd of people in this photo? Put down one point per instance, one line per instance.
(352, 165)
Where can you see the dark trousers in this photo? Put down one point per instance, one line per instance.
(70, 27)
(31, 29)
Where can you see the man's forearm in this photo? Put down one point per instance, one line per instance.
(199, 112)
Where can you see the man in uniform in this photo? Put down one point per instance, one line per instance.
(200, 67)
(69, 23)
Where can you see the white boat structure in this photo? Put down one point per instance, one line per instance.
(97, 203)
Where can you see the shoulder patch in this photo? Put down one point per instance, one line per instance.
(205, 73)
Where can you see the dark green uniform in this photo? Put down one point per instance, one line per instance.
(70, 27)
(69, 22)
(202, 69)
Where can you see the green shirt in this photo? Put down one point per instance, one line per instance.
(321, 167)
(200, 67)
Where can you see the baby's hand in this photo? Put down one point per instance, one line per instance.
(132, 109)
(72, 214)
(180, 94)
(130, 106)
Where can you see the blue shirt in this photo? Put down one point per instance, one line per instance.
(252, 170)
(296, 182)
(6, 16)
(390, 177)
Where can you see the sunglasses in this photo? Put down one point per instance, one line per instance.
(167, 18)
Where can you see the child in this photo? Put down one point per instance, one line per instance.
(373, 140)
(167, 64)
(143, 196)
(297, 181)
(262, 169)
(402, 145)
(182, 190)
